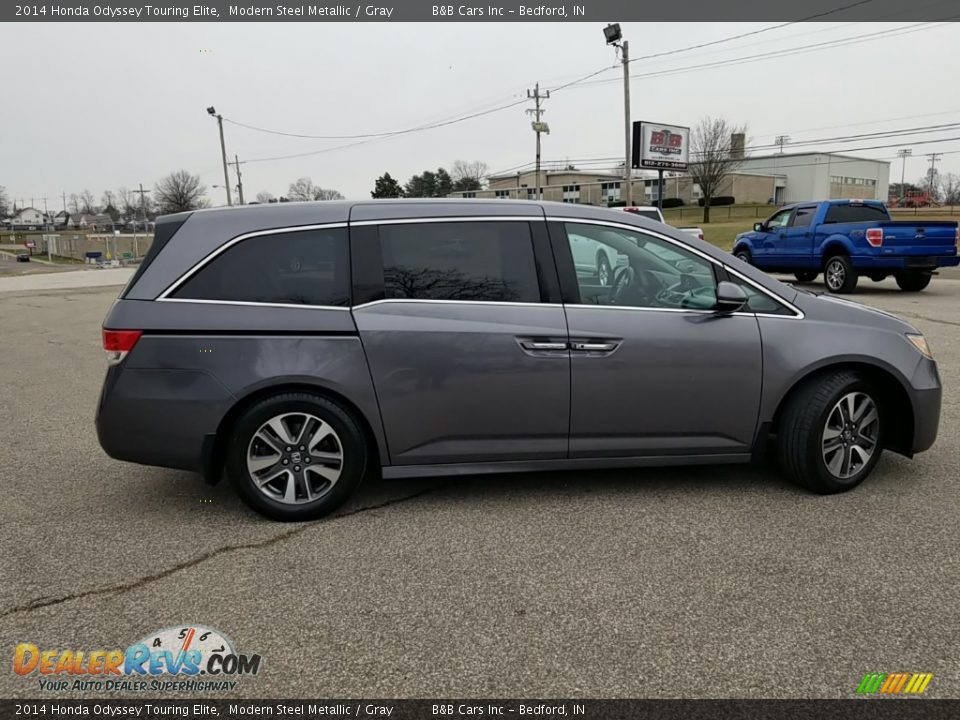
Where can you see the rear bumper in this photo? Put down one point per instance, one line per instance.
(904, 262)
(159, 417)
(925, 397)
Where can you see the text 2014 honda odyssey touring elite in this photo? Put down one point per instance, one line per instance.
(298, 347)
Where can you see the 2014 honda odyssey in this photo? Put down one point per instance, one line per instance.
(297, 348)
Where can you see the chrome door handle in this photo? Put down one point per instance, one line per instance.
(595, 346)
(535, 345)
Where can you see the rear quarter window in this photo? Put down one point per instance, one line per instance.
(855, 213)
(305, 267)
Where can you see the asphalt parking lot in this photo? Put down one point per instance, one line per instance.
(702, 582)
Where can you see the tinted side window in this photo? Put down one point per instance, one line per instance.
(779, 220)
(758, 302)
(803, 217)
(479, 261)
(855, 213)
(308, 267)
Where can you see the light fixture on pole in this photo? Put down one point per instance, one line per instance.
(614, 36)
(212, 111)
(903, 153)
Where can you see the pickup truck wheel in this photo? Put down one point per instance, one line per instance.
(913, 281)
(604, 275)
(743, 254)
(805, 275)
(839, 275)
(831, 433)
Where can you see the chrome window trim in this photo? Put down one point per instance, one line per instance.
(451, 218)
(165, 295)
(798, 314)
(250, 303)
(773, 296)
(496, 303)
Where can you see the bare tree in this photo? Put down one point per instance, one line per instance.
(712, 157)
(468, 175)
(950, 185)
(127, 203)
(88, 203)
(4, 202)
(304, 189)
(265, 197)
(74, 204)
(179, 191)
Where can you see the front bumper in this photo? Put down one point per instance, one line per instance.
(925, 397)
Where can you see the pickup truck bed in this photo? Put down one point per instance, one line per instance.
(848, 238)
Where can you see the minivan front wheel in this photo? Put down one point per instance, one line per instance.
(296, 456)
(831, 433)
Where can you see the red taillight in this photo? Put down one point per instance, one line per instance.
(875, 237)
(700, 235)
(117, 343)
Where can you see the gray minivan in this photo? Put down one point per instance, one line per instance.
(297, 348)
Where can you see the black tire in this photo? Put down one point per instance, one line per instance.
(744, 254)
(352, 444)
(806, 275)
(913, 281)
(801, 432)
(604, 271)
(839, 275)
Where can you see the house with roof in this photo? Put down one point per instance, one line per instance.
(27, 218)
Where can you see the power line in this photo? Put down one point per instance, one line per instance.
(428, 126)
(582, 82)
(905, 30)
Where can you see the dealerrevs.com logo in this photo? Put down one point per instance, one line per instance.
(185, 658)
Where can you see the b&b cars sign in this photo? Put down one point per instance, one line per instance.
(660, 147)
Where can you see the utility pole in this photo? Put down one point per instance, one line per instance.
(538, 127)
(903, 153)
(627, 159)
(236, 164)
(223, 151)
(143, 206)
(64, 203)
(934, 159)
(781, 140)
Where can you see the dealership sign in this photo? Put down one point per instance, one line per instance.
(660, 147)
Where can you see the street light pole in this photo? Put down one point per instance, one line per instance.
(223, 151)
(614, 36)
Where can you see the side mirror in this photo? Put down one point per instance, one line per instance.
(730, 297)
(758, 227)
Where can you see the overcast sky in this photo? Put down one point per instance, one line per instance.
(103, 106)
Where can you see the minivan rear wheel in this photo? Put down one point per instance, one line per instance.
(296, 456)
(831, 433)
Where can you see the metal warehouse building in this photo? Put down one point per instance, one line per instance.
(822, 176)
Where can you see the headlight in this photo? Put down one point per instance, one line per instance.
(920, 343)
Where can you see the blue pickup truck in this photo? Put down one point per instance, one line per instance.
(845, 239)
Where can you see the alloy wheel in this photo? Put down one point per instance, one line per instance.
(295, 458)
(850, 435)
(603, 273)
(835, 275)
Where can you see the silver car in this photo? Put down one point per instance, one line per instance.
(299, 348)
